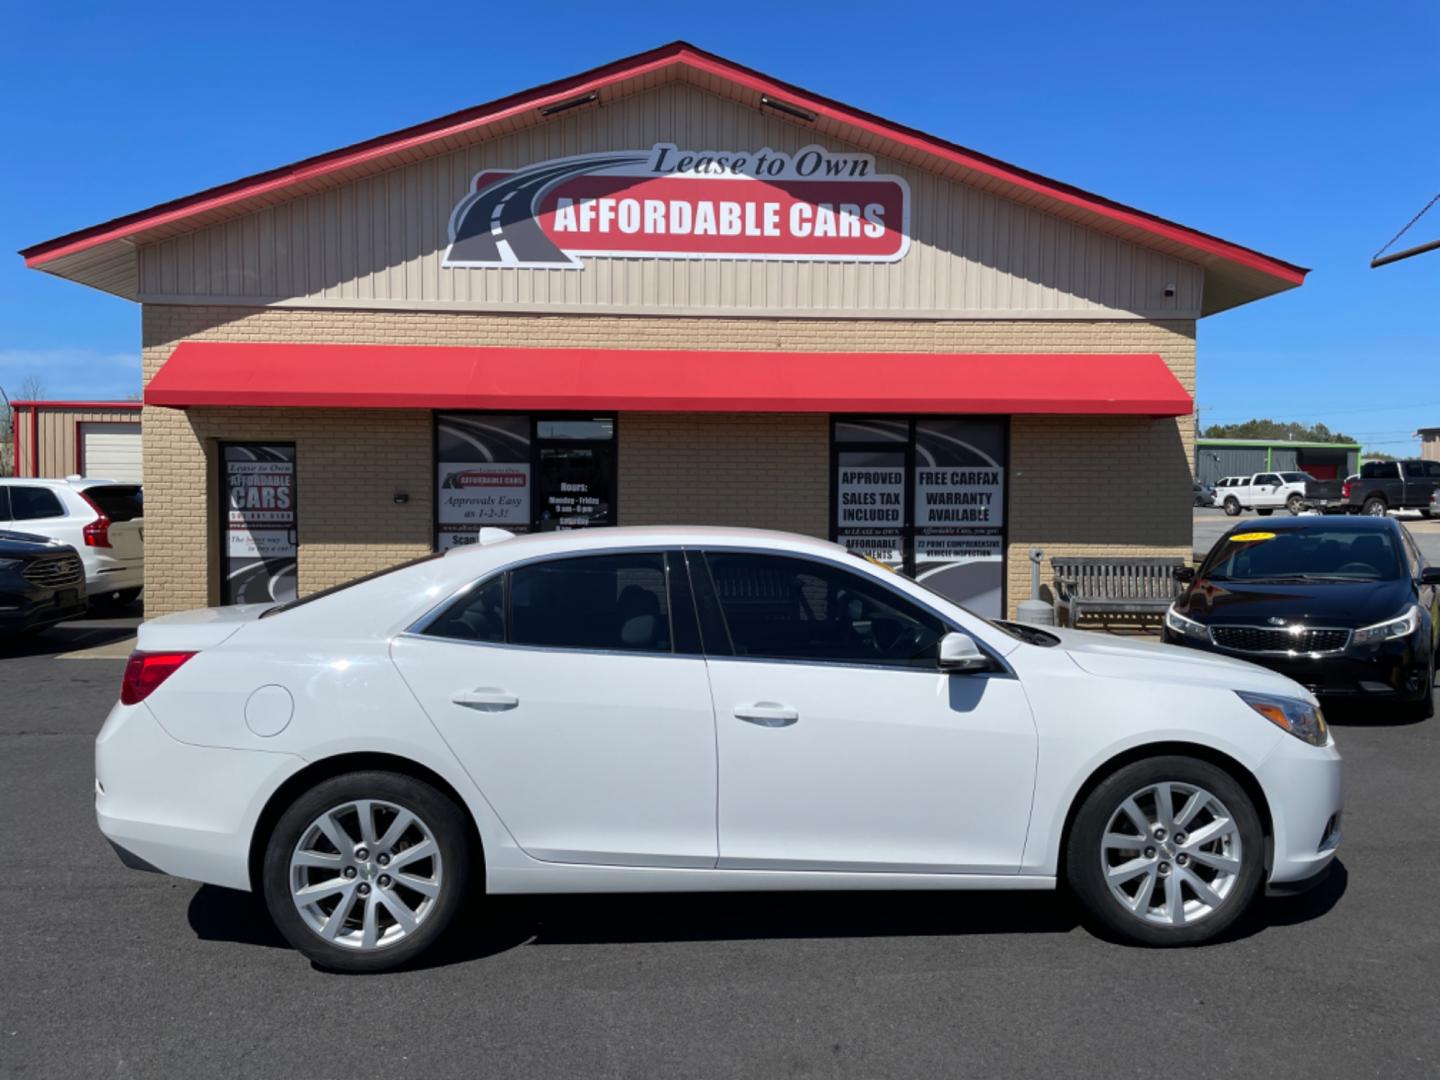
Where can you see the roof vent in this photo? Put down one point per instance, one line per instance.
(767, 102)
(573, 103)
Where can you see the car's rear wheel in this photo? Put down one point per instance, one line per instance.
(1374, 507)
(367, 870)
(1166, 851)
(1294, 504)
(1232, 507)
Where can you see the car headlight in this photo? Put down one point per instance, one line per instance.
(1186, 627)
(1403, 625)
(1301, 719)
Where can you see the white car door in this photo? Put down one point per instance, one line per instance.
(842, 746)
(579, 708)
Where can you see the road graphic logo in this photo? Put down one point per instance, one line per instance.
(668, 203)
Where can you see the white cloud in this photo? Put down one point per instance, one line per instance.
(66, 372)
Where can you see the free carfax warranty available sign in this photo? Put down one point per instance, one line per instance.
(668, 203)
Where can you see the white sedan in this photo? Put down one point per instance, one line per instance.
(664, 709)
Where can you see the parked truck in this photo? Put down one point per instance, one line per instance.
(1382, 486)
(1263, 492)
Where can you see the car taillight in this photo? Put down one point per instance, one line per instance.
(147, 670)
(97, 533)
(1345, 490)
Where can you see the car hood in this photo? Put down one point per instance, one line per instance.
(1331, 603)
(22, 543)
(1128, 658)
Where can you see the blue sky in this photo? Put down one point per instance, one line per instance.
(1307, 130)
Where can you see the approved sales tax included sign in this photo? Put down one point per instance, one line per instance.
(668, 203)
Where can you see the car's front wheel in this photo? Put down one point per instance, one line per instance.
(367, 870)
(1166, 851)
(1232, 507)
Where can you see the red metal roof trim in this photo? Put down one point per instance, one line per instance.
(128, 404)
(201, 373)
(678, 52)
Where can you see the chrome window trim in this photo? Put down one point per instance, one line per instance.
(1210, 633)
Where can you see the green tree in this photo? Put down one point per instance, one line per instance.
(1275, 429)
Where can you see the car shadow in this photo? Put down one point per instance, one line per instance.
(66, 637)
(501, 923)
(1372, 714)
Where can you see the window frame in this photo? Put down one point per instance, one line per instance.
(691, 558)
(534, 419)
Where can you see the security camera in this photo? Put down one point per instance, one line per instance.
(1169, 290)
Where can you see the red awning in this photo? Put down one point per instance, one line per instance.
(664, 380)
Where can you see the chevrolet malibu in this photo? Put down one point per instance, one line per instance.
(667, 709)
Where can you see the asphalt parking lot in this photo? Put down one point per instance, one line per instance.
(112, 973)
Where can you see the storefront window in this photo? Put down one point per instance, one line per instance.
(927, 497)
(522, 472)
(259, 526)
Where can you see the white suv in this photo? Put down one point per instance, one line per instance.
(101, 519)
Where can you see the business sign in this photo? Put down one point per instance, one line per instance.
(260, 526)
(666, 203)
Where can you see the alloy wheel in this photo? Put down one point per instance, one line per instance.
(1171, 853)
(365, 874)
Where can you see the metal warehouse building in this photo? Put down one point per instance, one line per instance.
(61, 438)
(672, 289)
(1215, 458)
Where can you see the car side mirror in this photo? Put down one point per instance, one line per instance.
(1183, 574)
(1430, 575)
(959, 653)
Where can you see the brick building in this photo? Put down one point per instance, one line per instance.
(668, 290)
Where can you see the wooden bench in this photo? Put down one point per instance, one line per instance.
(1123, 586)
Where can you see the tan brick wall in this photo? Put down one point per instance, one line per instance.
(1078, 485)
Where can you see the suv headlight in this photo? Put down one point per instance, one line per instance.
(1403, 625)
(1186, 627)
(1301, 719)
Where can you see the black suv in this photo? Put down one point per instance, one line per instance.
(41, 583)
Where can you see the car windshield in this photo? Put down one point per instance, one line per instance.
(1318, 554)
(291, 605)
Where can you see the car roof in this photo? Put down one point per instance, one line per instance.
(80, 483)
(653, 536)
(1330, 522)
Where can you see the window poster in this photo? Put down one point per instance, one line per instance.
(260, 523)
(959, 516)
(482, 476)
(870, 503)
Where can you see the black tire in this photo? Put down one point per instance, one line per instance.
(1085, 874)
(1426, 512)
(1232, 507)
(1294, 504)
(1265, 513)
(446, 823)
(1374, 506)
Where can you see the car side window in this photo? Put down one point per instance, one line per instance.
(1414, 470)
(1432, 470)
(4, 503)
(478, 615)
(34, 504)
(784, 608)
(612, 602)
(1412, 555)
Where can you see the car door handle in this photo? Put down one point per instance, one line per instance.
(486, 699)
(766, 714)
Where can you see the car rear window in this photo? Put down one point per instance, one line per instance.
(118, 502)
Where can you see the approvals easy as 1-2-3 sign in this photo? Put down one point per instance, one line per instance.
(668, 203)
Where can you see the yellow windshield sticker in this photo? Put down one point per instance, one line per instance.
(1245, 538)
